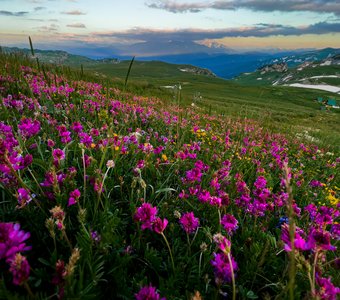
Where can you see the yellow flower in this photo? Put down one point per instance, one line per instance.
(332, 200)
(164, 157)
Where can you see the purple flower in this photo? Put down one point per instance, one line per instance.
(148, 293)
(12, 240)
(299, 242)
(28, 128)
(335, 230)
(24, 197)
(327, 290)
(189, 222)
(260, 182)
(229, 223)
(20, 269)
(320, 239)
(77, 127)
(74, 196)
(58, 155)
(146, 214)
(194, 175)
(159, 225)
(315, 183)
(85, 139)
(204, 196)
(222, 267)
(95, 236)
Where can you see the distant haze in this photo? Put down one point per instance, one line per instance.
(151, 27)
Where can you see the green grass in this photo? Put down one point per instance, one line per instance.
(283, 109)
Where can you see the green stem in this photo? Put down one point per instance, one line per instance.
(314, 270)
(232, 276)
(28, 289)
(172, 259)
(199, 264)
(189, 244)
(84, 167)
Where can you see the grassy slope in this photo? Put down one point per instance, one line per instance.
(281, 108)
(270, 77)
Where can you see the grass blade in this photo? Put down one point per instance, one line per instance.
(128, 72)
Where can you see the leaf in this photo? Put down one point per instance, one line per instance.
(165, 190)
(251, 295)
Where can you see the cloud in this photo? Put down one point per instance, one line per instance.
(258, 30)
(50, 28)
(319, 6)
(13, 14)
(76, 25)
(73, 13)
(39, 8)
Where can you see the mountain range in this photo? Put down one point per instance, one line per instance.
(222, 61)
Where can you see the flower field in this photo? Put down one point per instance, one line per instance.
(110, 195)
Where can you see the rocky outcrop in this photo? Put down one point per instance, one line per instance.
(198, 71)
(278, 67)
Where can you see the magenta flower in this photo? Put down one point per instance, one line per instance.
(28, 127)
(148, 293)
(85, 139)
(77, 127)
(20, 269)
(74, 196)
(229, 223)
(299, 242)
(58, 155)
(24, 197)
(12, 240)
(189, 222)
(194, 175)
(327, 290)
(146, 214)
(159, 225)
(222, 268)
(222, 242)
(320, 239)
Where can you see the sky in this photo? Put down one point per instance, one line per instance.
(237, 24)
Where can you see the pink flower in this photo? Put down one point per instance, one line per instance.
(20, 269)
(74, 196)
(222, 267)
(146, 214)
(148, 293)
(327, 290)
(159, 225)
(24, 197)
(194, 175)
(299, 242)
(189, 222)
(229, 223)
(12, 240)
(320, 239)
(28, 127)
(58, 155)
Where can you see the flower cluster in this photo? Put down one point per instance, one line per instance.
(147, 215)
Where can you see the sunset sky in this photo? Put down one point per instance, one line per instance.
(248, 24)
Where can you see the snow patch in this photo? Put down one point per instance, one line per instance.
(324, 87)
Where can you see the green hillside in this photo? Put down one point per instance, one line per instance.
(287, 109)
(284, 108)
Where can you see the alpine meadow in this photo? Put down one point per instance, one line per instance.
(170, 162)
